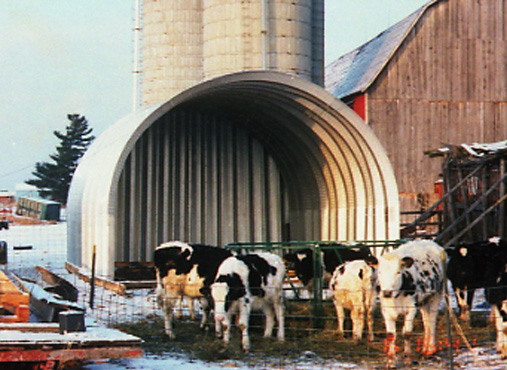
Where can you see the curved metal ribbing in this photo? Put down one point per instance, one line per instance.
(256, 156)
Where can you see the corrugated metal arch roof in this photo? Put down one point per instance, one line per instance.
(355, 71)
(353, 157)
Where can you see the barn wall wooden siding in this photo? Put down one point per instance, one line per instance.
(446, 84)
(196, 177)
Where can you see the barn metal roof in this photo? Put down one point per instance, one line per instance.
(305, 121)
(474, 150)
(355, 71)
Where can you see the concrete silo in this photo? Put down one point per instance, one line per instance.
(171, 48)
(187, 41)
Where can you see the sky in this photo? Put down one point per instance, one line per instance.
(62, 57)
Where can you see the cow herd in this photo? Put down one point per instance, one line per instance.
(404, 280)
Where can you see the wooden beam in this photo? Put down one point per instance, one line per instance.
(464, 195)
(470, 209)
(32, 327)
(430, 211)
(13, 301)
(118, 288)
(477, 220)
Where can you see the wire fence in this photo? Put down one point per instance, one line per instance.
(470, 343)
(310, 334)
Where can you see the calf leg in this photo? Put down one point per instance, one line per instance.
(191, 307)
(280, 317)
(369, 304)
(244, 316)
(369, 321)
(408, 327)
(218, 328)
(271, 310)
(206, 309)
(226, 324)
(470, 300)
(429, 314)
(167, 309)
(464, 297)
(390, 317)
(178, 308)
(357, 316)
(340, 315)
(166, 299)
(270, 319)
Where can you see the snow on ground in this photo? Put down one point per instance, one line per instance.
(48, 249)
(150, 362)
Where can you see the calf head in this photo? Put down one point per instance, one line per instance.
(393, 277)
(462, 264)
(303, 264)
(226, 290)
(173, 255)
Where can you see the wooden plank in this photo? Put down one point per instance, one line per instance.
(443, 54)
(21, 313)
(499, 73)
(66, 355)
(13, 301)
(6, 285)
(43, 342)
(113, 286)
(31, 327)
(10, 300)
(503, 15)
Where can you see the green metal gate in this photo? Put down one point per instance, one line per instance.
(377, 248)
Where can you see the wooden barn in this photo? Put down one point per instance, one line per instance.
(437, 76)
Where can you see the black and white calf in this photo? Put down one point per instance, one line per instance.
(469, 269)
(185, 270)
(245, 283)
(353, 287)
(485, 262)
(411, 277)
(303, 263)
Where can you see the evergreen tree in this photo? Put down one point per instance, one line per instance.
(53, 179)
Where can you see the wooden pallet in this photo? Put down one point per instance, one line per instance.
(41, 343)
(15, 303)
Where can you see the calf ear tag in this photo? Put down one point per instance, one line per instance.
(463, 252)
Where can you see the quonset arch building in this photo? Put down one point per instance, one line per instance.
(256, 155)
